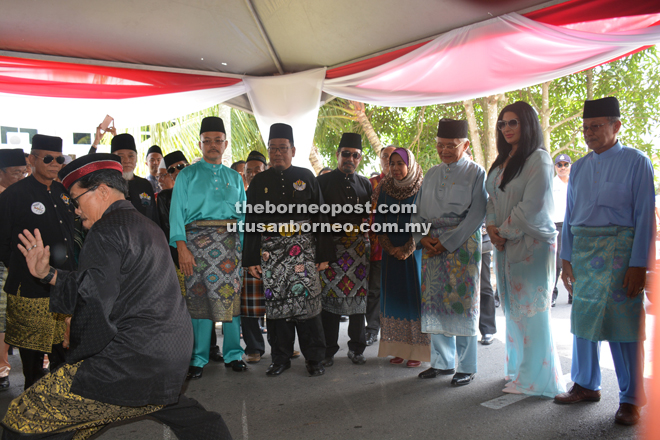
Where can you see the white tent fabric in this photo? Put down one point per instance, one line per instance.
(83, 115)
(291, 99)
(498, 55)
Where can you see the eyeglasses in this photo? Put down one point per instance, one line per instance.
(276, 150)
(49, 158)
(439, 146)
(179, 167)
(565, 165)
(593, 127)
(212, 141)
(348, 154)
(17, 173)
(74, 200)
(512, 123)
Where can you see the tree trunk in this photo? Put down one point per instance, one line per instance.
(491, 133)
(477, 149)
(366, 126)
(545, 113)
(224, 112)
(315, 159)
(590, 83)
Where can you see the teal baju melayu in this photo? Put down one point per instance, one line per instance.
(203, 201)
(526, 274)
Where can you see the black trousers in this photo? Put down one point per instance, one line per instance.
(487, 298)
(187, 419)
(282, 334)
(356, 333)
(214, 340)
(555, 291)
(373, 299)
(252, 336)
(33, 363)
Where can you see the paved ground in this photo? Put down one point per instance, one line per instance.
(382, 401)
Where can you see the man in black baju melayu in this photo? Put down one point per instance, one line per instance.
(131, 337)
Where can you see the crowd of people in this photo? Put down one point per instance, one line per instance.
(120, 280)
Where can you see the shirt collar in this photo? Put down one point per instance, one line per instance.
(210, 166)
(611, 152)
(459, 163)
(350, 177)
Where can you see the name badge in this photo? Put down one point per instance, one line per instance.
(38, 208)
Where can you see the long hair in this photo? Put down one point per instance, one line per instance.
(531, 139)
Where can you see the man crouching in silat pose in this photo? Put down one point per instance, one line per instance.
(131, 336)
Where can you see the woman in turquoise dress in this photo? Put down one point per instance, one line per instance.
(400, 304)
(519, 223)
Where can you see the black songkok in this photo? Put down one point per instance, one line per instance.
(350, 140)
(47, 143)
(154, 149)
(452, 129)
(13, 157)
(88, 164)
(212, 123)
(281, 131)
(601, 107)
(255, 155)
(174, 157)
(122, 141)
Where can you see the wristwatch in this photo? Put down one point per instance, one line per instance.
(47, 278)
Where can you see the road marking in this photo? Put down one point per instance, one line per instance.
(245, 424)
(508, 399)
(505, 400)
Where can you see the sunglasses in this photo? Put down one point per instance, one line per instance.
(74, 200)
(48, 159)
(179, 167)
(513, 123)
(565, 165)
(347, 154)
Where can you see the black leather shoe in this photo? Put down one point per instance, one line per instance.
(195, 372)
(237, 366)
(497, 300)
(358, 359)
(371, 339)
(435, 372)
(487, 339)
(277, 369)
(328, 362)
(216, 356)
(4, 383)
(553, 302)
(315, 368)
(461, 379)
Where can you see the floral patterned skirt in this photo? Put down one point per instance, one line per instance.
(602, 310)
(450, 287)
(345, 282)
(214, 289)
(292, 287)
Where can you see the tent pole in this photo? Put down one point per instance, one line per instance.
(264, 35)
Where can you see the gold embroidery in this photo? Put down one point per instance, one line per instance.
(49, 406)
(31, 325)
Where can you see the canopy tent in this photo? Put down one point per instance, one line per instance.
(72, 62)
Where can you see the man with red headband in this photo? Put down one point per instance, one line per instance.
(131, 335)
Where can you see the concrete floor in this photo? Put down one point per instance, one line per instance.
(383, 401)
